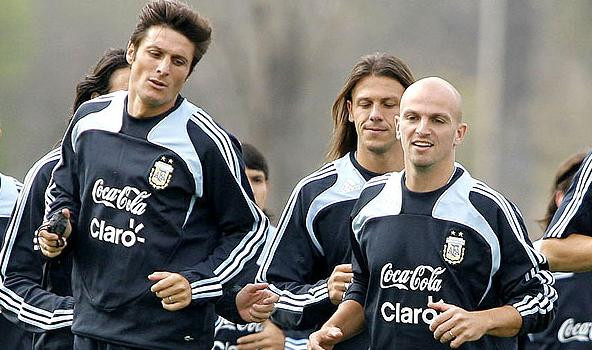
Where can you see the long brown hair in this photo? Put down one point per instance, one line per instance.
(561, 183)
(344, 137)
(98, 80)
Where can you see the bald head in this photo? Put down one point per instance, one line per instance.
(434, 91)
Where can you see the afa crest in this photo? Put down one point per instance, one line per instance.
(454, 248)
(161, 173)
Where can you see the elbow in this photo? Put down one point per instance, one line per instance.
(548, 248)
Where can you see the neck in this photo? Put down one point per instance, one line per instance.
(381, 163)
(139, 109)
(427, 179)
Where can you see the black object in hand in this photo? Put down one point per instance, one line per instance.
(57, 223)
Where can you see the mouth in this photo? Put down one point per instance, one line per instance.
(374, 129)
(422, 144)
(159, 84)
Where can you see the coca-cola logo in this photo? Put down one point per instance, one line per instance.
(422, 278)
(128, 198)
(574, 331)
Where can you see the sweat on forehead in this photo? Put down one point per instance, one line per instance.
(435, 89)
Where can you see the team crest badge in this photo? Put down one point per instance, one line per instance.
(454, 248)
(161, 173)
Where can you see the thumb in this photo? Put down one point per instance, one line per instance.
(334, 333)
(158, 275)
(66, 212)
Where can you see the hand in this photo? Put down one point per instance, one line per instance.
(50, 243)
(270, 338)
(255, 302)
(324, 339)
(456, 325)
(339, 281)
(172, 288)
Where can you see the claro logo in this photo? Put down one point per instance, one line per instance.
(127, 237)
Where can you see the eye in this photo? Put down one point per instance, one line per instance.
(154, 53)
(179, 61)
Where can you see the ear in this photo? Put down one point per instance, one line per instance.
(349, 111)
(461, 131)
(397, 128)
(558, 198)
(94, 94)
(130, 54)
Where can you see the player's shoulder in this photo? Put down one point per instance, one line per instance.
(42, 169)
(381, 196)
(98, 104)
(9, 190)
(205, 130)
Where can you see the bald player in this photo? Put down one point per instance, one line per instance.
(439, 258)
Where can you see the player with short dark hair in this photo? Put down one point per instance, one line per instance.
(159, 214)
(572, 324)
(37, 294)
(308, 262)
(439, 258)
(568, 239)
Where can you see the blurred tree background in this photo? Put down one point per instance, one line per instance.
(274, 68)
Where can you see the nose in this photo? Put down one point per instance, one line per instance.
(375, 113)
(164, 66)
(423, 127)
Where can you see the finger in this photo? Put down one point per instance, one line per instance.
(248, 346)
(255, 287)
(163, 282)
(265, 308)
(249, 338)
(66, 212)
(178, 288)
(440, 306)
(343, 268)
(444, 327)
(173, 307)
(158, 275)
(44, 234)
(442, 317)
(343, 277)
(457, 342)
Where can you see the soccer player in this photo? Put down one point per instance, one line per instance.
(37, 295)
(256, 335)
(572, 325)
(568, 239)
(160, 216)
(12, 337)
(309, 259)
(440, 259)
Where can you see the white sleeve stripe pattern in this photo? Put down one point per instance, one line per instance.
(582, 186)
(208, 125)
(297, 302)
(510, 214)
(247, 248)
(542, 303)
(295, 344)
(11, 301)
(325, 171)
